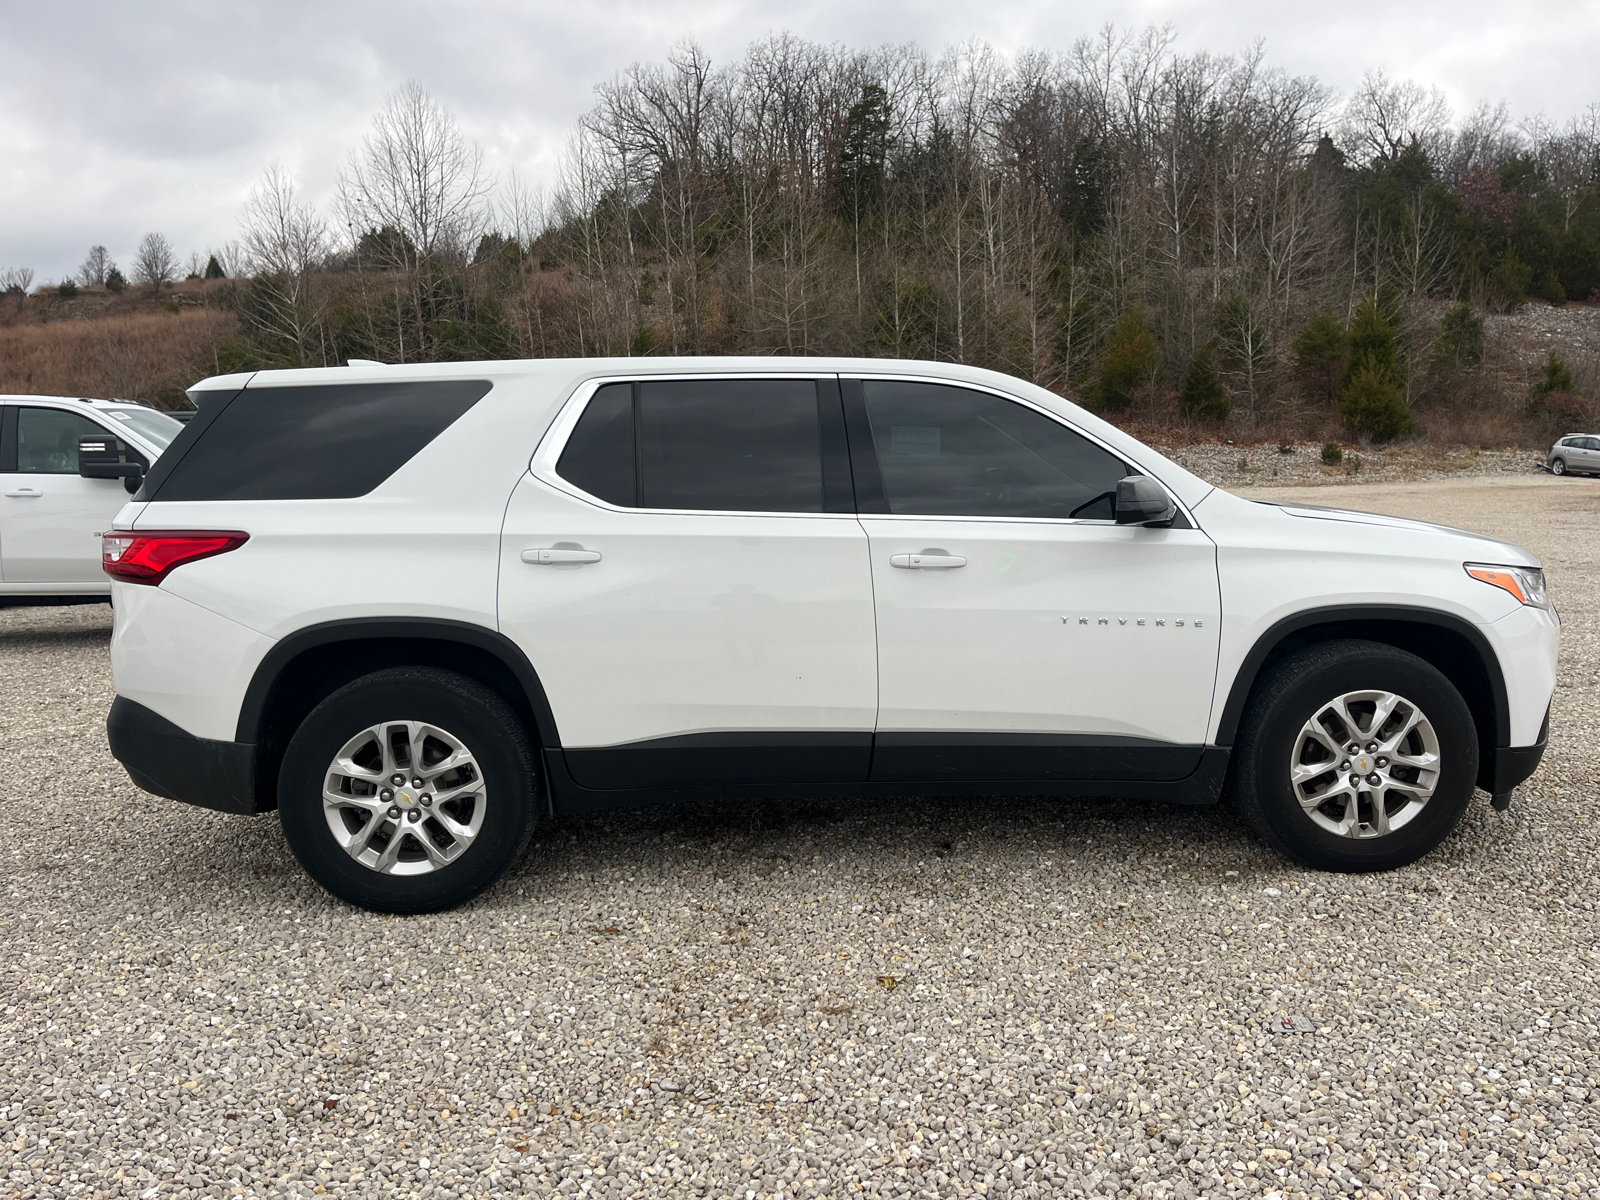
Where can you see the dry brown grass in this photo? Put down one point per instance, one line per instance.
(135, 355)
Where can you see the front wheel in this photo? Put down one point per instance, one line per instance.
(1355, 756)
(1558, 466)
(409, 790)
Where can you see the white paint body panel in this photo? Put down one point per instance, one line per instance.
(999, 645)
(181, 660)
(690, 622)
(1274, 562)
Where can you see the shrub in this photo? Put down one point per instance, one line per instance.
(115, 282)
(1371, 404)
(1202, 397)
(67, 289)
(1555, 376)
(1132, 360)
(1332, 453)
(1508, 284)
(1550, 288)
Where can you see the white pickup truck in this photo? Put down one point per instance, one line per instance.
(51, 513)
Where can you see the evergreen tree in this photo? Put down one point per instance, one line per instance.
(214, 269)
(1372, 343)
(1132, 360)
(1460, 343)
(1550, 288)
(1554, 376)
(1203, 397)
(1370, 403)
(115, 282)
(1319, 353)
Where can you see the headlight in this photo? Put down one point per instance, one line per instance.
(1525, 583)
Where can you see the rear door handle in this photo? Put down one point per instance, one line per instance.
(926, 562)
(25, 493)
(547, 556)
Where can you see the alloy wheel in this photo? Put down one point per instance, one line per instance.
(1365, 764)
(404, 797)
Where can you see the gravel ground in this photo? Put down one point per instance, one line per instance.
(1271, 465)
(910, 998)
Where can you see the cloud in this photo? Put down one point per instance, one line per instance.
(124, 118)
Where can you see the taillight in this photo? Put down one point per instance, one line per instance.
(140, 557)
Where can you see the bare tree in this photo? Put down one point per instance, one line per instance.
(154, 262)
(284, 242)
(15, 282)
(417, 174)
(95, 267)
(1383, 117)
(419, 185)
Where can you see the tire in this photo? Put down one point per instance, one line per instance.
(474, 828)
(1558, 466)
(1276, 740)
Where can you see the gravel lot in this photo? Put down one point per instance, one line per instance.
(918, 998)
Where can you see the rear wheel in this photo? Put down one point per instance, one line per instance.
(408, 790)
(1558, 466)
(1355, 756)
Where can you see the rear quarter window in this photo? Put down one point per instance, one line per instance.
(323, 442)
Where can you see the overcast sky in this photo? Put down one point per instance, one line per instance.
(119, 118)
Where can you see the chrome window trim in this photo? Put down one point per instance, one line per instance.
(542, 465)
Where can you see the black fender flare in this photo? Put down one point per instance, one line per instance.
(269, 671)
(1357, 615)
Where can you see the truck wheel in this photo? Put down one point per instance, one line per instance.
(1355, 756)
(409, 790)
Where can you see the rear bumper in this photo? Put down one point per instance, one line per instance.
(169, 761)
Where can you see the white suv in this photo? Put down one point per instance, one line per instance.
(416, 608)
(55, 503)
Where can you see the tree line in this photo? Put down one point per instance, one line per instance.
(1163, 235)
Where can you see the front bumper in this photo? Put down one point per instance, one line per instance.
(1504, 767)
(169, 761)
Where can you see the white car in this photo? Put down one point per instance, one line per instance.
(416, 608)
(51, 513)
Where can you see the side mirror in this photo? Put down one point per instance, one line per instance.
(104, 457)
(1143, 501)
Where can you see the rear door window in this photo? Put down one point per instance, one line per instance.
(951, 451)
(716, 445)
(324, 442)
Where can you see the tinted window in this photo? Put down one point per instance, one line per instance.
(728, 444)
(1591, 443)
(599, 454)
(326, 442)
(47, 440)
(947, 451)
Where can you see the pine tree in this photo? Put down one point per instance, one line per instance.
(1319, 353)
(1370, 403)
(1203, 397)
(1132, 360)
(214, 269)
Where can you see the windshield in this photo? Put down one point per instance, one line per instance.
(152, 426)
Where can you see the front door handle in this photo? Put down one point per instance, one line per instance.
(927, 561)
(559, 555)
(25, 493)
